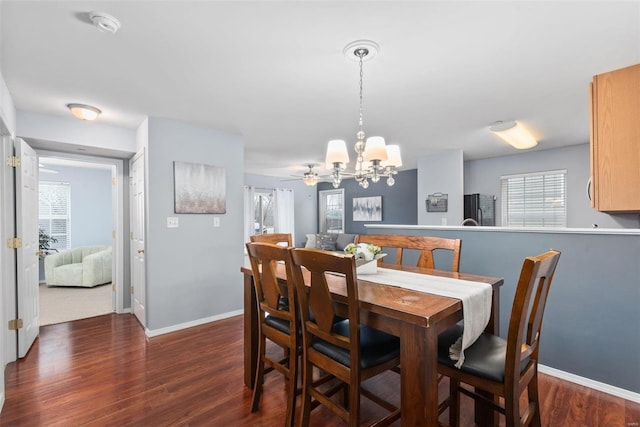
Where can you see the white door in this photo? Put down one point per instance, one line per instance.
(137, 237)
(27, 255)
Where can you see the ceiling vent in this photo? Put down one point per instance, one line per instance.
(104, 22)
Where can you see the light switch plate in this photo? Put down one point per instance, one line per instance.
(216, 221)
(172, 222)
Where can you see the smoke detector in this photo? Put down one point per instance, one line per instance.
(104, 22)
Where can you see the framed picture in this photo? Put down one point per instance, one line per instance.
(367, 208)
(437, 202)
(199, 188)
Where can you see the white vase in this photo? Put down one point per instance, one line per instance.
(366, 267)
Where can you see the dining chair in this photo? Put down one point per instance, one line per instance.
(504, 367)
(427, 245)
(275, 238)
(342, 349)
(277, 321)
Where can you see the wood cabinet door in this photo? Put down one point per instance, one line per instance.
(616, 140)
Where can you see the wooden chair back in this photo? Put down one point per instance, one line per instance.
(527, 311)
(277, 312)
(520, 356)
(317, 308)
(320, 321)
(274, 238)
(427, 245)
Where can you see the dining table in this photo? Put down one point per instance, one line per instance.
(415, 317)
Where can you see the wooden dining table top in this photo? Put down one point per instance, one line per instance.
(415, 307)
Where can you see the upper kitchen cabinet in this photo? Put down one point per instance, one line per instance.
(615, 140)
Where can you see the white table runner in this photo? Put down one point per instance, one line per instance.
(475, 297)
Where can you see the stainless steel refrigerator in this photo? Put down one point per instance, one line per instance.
(481, 208)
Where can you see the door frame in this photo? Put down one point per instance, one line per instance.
(117, 211)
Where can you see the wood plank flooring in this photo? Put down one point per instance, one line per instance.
(103, 371)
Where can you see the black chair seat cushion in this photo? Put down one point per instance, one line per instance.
(485, 358)
(279, 324)
(376, 347)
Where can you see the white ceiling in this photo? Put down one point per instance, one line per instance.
(274, 71)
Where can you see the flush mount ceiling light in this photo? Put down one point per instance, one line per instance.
(104, 22)
(374, 159)
(84, 112)
(515, 134)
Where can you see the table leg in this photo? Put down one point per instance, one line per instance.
(250, 331)
(419, 376)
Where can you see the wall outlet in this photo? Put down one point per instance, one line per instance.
(216, 221)
(444, 221)
(172, 222)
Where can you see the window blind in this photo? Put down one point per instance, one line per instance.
(534, 199)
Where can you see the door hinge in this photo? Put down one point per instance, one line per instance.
(113, 234)
(113, 287)
(132, 290)
(131, 235)
(15, 324)
(13, 161)
(14, 243)
(114, 181)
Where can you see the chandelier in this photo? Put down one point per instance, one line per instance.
(374, 159)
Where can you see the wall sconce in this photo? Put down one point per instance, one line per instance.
(515, 134)
(84, 112)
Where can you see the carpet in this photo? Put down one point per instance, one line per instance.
(63, 304)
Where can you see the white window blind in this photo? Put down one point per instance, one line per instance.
(55, 212)
(534, 199)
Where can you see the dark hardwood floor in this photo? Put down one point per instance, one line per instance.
(103, 371)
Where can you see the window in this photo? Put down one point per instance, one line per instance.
(332, 211)
(534, 199)
(263, 220)
(55, 212)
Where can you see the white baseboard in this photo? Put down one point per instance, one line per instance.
(596, 385)
(173, 328)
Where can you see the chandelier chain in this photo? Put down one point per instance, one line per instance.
(361, 54)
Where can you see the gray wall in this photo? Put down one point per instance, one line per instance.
(592, 323)
(398, 202)
(441, 172)
(91, 216)
(193, 272)
(305, 202)
(483, 176)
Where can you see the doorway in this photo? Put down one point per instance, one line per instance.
(75, 216)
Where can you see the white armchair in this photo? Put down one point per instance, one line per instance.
(85, 266)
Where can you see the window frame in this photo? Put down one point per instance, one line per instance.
(51, 217)
(259, 194)
(322, 210)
